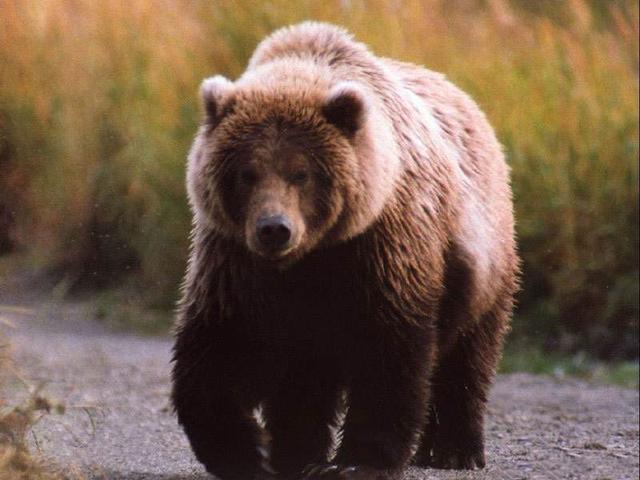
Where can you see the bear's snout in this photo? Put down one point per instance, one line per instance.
(274, 232)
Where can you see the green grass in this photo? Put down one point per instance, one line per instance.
(534, 360)
(121, 309)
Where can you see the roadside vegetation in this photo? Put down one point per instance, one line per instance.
(98, 107)
(16, 421)
(533, 359)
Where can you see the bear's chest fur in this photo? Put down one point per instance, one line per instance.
(321, 299)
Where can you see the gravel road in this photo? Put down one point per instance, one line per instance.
(118, 423)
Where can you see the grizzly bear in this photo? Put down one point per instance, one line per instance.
(352, 267)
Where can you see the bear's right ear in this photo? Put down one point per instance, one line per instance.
(216, 93)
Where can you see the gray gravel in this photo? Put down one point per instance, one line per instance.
(118, 423)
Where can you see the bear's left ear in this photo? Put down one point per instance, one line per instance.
(345, 108)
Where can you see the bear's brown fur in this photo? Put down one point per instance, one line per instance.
(353, 232)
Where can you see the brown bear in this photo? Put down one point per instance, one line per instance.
(352, 267)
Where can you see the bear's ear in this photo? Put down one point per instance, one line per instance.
(216, 93)
(345, 108)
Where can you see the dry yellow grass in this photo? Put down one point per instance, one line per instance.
(98, 107)
(16, 421)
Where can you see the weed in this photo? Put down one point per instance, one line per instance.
(16, 422)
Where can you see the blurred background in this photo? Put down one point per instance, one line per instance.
(98, 106)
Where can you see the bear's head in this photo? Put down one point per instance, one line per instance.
(286, 167)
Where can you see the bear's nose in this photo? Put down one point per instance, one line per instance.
(274, 231)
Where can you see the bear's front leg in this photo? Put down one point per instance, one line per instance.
(301, 414)
(388, 405)
(214, 397)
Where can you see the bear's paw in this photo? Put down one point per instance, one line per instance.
(332, 471)
(450, 459)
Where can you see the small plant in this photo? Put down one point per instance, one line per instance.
(16, 422)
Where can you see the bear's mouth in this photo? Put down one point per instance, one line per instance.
(277, 256)
(279, 259)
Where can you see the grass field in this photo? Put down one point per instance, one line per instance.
(98, 107)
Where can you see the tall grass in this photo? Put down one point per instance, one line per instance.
(98, 107)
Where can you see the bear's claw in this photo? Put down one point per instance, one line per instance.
(454, 461)
(330, 471)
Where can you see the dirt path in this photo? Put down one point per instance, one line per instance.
(119, 424)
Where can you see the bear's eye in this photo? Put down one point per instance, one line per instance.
(248, 176)
(300, 177)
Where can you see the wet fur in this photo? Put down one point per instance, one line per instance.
(400, 295)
